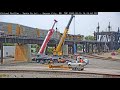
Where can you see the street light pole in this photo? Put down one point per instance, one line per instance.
(75, 50)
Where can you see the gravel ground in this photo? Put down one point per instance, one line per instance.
(94, 63)
(106, 64)
(50, 75)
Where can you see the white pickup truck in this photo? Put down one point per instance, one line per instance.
(76, 65)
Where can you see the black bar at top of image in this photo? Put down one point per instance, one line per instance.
(40, 6)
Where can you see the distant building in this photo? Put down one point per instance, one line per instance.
(2, 33)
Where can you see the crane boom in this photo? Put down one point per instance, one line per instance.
(47, 38)
(58, 50)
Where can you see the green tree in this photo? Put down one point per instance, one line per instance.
(89, 37)
(33, 45)
(79, 47)
(49, 50)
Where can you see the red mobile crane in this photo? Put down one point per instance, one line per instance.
(41, 57)
(47, 38)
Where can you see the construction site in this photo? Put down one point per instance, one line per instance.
(27, 52)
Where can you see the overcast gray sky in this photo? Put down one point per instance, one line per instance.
(84, 24)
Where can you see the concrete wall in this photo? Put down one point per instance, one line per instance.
(8, 51)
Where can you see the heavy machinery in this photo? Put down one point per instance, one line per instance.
(77, 64)
(58, 50)
(74, 64)
(47, 38)
(41, 57)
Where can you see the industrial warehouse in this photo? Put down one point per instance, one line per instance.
(35, 52)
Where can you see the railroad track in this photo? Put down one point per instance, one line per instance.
(77, 74)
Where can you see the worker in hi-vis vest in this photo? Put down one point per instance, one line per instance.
(79, 59)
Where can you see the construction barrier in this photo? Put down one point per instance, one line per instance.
(59, 66)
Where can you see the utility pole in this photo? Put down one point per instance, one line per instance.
(1, 47)
(98, 29)
(75, 47)
(109, 27)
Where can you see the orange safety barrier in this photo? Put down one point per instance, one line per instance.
(58, 66)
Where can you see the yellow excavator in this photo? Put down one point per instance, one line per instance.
(58, 50)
